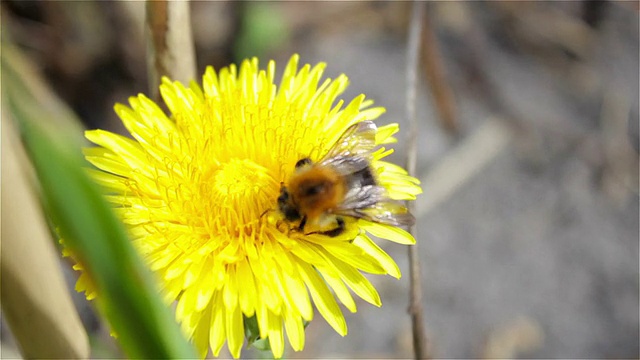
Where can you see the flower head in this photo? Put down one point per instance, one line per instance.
(198, 191)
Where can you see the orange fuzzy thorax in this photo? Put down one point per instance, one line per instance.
(317, 190)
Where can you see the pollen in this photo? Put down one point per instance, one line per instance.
(230, 186)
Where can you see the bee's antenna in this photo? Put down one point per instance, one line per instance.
(265, 212)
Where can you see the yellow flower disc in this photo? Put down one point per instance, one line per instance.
(195, 189)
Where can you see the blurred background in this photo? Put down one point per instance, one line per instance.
(527, 150)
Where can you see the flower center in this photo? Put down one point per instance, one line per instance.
(241, 191)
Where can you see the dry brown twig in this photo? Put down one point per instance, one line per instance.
(170, 49)
(434, 73)
(420, 345)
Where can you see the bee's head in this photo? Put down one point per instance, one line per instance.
(286, 205)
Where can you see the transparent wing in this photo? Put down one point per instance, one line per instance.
(371, 203)
(359, 197)
(352, 151)
(381, 213)
(389, 212)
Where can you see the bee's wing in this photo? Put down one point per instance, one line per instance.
(352, 151)
(370, 202)
(389, 212)
(359, 197)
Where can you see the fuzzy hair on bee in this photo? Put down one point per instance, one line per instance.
(342, 184)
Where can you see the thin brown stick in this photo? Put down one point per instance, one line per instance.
(434, 72)
(170, 49)
(420, 345)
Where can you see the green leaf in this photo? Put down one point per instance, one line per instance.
(263, 29)
(127, 293)
(252, 334)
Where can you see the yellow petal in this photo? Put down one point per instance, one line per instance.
(323, 299)
(201, 333)
(276, 336)
(230, 290)
(205, 287)
(296, 289)
(384, 135)
(355, 256)
(111, 183)
(247, 292)
(217, 334)
(339, 289)
(358, 283)
(295, 330)
(388, 232)
(103, 161)
(371, 248)
(234, 330)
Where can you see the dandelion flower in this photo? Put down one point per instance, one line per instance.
(193, 187)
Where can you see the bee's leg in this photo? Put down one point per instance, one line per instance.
(337, 231)
(303, 222)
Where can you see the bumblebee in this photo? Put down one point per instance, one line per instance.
(341, 184)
